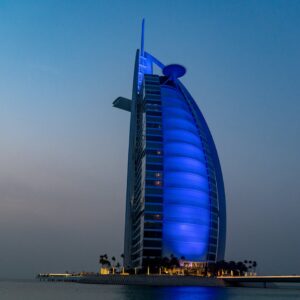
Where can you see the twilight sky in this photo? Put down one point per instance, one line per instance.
(63, 148)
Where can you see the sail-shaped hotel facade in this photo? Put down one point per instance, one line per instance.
(175, 201)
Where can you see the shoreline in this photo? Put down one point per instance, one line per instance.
(173, 280)
(153, 280)
(141, 280)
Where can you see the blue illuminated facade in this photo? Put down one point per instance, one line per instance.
(175, 202)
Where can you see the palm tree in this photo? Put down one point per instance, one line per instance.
(232, 267)
(222, 266)
(241, 267)
(113, 264)
(114, 260)
(103, 260)
(165, 262)
(254, 265)
(122, 256)
(174, 262)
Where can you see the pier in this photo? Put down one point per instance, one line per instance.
(259, 280)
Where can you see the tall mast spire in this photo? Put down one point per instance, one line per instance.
(142, 37)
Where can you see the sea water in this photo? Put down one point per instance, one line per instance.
(33, 290)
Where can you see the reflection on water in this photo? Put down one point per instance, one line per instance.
(178, 293)
(35, 290)
(205, 293)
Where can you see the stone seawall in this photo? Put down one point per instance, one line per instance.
(176, 280)
(152, 280)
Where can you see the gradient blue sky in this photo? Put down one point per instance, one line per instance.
(63, 151)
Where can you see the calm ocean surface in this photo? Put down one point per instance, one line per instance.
(23, 290)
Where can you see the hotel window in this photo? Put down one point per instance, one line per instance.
(154, 244)
(153, 208)
(153, 199)
(153, 113)
(154, 131)
(153, 145)
(153, 125)
(213, 241)
(153, 191)
(153, 234)
(152, 225)
(154, 167)
(154, 159)
(156, 217)
(211, 257)
(153, 119)
(154, 152)
(151, 253)
(154, 183)
(153, 92)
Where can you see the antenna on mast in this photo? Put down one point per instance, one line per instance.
(142, 37)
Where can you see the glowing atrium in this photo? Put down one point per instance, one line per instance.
(175, 202)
